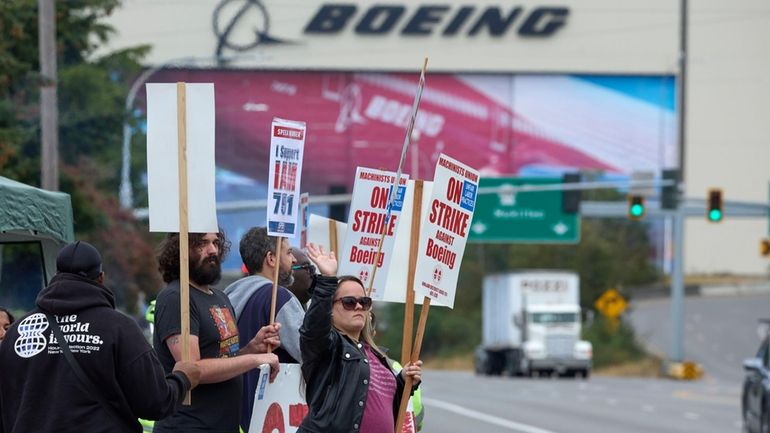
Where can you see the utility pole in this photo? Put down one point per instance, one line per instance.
(49, 112)
(677, 272)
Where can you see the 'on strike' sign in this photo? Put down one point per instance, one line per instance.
(445, 229)
(367, 221)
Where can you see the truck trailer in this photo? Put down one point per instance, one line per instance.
(532, 325)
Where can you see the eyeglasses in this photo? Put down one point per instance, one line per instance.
(349, 302)
(306, 266)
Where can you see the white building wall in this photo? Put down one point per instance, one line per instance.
(728, 128)
(603, 36)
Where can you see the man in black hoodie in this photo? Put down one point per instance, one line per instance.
(39, 390)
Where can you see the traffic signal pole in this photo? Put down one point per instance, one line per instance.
(677, 271)
(677, 287)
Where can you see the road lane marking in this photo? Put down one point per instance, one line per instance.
(481, 416)
(716, 399)
(692, 416)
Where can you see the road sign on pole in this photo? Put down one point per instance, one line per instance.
(611, 304)
(523, 216)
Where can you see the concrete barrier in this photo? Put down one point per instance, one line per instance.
(686, 370)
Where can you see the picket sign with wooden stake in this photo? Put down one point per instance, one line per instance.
(163, 137)
(176, 112)
(444, 231)
(367, 241)
(443, 235)
(398, 274)
(287, 143)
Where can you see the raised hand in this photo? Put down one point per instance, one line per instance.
(326, 262)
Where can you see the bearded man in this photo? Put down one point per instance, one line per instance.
(215, 344)
(252, 299)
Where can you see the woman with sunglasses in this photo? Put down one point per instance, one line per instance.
(349, 385)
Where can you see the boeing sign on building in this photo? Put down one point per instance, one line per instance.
(444, 20)
(504, 36)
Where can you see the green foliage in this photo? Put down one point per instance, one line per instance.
(613, 343)
(125, 245)
(91, 91)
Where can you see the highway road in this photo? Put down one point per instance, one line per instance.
(460, 402)
(719, 333)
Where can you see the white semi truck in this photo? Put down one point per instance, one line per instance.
(532, 325)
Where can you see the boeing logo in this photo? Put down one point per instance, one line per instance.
(233, 15)
(241, 25)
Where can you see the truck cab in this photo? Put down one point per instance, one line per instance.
(552, 341)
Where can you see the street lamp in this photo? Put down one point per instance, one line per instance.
(126, 192)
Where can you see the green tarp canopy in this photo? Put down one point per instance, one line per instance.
(29, 214)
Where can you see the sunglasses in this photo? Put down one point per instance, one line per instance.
(349, 302)
(306, 266)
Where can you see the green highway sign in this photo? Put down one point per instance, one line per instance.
(523, 216)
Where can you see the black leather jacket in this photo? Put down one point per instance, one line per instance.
(335, 369)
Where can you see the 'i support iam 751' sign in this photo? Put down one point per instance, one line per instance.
(287, 143)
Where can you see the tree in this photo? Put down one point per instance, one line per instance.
(92, 89)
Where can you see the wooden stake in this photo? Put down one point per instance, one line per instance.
(414, 244)
(415, 356)
(278, 242)
(333, 246)
(184, 246)
(421, 329)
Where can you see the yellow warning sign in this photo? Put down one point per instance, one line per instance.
(611, 304)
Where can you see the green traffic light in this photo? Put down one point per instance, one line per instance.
(715, 215)
(637, 210)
